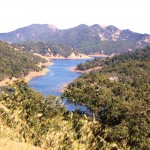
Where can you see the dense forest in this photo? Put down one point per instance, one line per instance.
(118, 95)
(138, 55)
(16, 63)
(86, 46)
(27, 116)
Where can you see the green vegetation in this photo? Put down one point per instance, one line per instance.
(46, 48)
(14, 63)
(27, 116)
(119, 97)
(96, 62)
(78, 45)
(138, 55)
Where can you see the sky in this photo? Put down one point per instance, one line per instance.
(64, 14)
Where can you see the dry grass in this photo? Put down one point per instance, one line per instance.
(9, 140)
(54, 131)
(6, 144)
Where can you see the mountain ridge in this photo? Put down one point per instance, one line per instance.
(41, 29)
(87, 39)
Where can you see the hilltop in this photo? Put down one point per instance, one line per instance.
(83, 38)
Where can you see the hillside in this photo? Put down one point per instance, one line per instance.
(85, 39)
(118, 96)
(35, 32)
(46, 48)
(28, 117)
(16, 63)
(99, 62)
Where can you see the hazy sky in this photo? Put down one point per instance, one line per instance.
(131, 14)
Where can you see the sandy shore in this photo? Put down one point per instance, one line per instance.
(7, 144)
(64, 86)
(71, 56)
(77, 56)
(34, 74)
(31, 74)
(74, 69)
(56, 57)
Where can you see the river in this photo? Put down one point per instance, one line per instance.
(59, 74)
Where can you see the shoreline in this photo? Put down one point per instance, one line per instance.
(73, 69)
(85, 71)
(72, 56)
(34, 74)
(31, 74)
(63, 87)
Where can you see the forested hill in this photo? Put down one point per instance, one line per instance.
(16, 63)
(119, 96)
(46, 48)
(142, 55)
(86, 39)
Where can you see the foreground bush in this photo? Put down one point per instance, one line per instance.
(27, 116)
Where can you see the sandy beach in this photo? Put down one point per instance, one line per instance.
(74, 69)
(78, 56)
(63, 87)
(85, 71)
(71, 56)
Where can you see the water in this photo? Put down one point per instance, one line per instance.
(52, 82)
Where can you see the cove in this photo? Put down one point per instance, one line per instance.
(59, 74)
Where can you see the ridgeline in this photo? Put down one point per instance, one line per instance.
(82, 39)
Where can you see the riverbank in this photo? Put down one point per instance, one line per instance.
(74, 69)
(31, 74)
(71, 56)
(63, 87)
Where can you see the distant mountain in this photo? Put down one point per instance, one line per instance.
(35, 32)
(115, 34)
(87, 39)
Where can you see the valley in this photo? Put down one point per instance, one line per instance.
(69, 98)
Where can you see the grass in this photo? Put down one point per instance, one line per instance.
(6, 144)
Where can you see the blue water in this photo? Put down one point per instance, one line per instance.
(52, 82)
